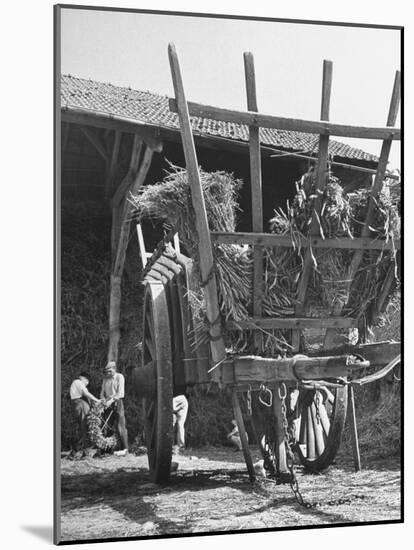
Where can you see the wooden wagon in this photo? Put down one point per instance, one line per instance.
(321, 384)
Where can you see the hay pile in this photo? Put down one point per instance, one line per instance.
(169, 201)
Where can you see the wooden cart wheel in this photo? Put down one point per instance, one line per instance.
(158, 411)
(319, 435)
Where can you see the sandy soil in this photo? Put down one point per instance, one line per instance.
(113, 496)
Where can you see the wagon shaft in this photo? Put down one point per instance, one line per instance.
(256, 370)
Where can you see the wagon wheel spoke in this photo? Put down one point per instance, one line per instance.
(321, 425)
(150, 347)
(158, 409)
(326, 425)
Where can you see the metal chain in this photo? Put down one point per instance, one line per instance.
(317, 403)
(264, 390)
(290, 442)
(249, 401)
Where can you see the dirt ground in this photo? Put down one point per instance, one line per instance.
(113, 496)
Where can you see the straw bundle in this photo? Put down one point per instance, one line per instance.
(170, 202)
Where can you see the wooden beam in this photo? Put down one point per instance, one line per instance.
(256, 192)
(127, 211)
(290, 124)
(254, 369)
(121, 222)
(218, 351)
(126, 183)
(141, 244)
(355, 167)
(150, 133)
(243, 436)
(114, 317)
(378, 354)
(354, 429)
(376, 189)
(95, 141)
(293, 323)
(111, 169)
(269, 240)
(385, 291)
(321, 179)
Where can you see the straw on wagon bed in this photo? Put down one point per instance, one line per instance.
(341, 215)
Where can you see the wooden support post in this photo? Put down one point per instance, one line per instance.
(207, 273)
(256, 194)
(280, 448)
(354, 430)
(114, 317)
(121, 222)
(94, 139)
(112, 165)
(376, 189)
(321, 178)
(243, 437)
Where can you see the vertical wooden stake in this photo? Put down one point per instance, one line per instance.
(280, 448)
(256, 194)
(321, 178)
(121, 222)
(112, 164)
(375, 191)
(354, 430)
(243, 438)
(218, 350)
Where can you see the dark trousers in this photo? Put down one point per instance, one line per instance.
(81, 409)
(120, 422)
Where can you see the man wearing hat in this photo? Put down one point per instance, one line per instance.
(112, 393)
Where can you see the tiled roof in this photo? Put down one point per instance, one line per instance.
(147, 107)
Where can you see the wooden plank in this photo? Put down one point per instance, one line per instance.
(126, 183)
(114, 317)
(141, 245)
(385, 291)
(121, 221)
(150, 133)
(218, 351)
(378, 354)
(354, 429)
(290, 124)
(286, 323)
(136, 183)
(270, 240)
(376, 189)
(252, 369)
(279, 435)
(243, 436)
(94, 139)
(335, 163)
(111, 170)
(321, 179)
(256, 192)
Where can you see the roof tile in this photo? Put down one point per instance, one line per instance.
(151, 108)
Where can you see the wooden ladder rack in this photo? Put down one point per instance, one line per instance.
(257, 238)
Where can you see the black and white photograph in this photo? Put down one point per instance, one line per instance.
(228, 205)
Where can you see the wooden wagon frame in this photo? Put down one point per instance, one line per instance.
(171, 364)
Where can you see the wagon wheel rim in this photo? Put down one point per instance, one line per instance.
(319, 436)
(158, 415)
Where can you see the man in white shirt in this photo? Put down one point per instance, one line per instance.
(113, 393)
(80, 400)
